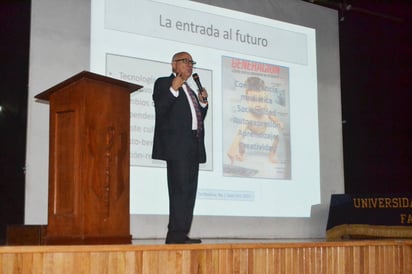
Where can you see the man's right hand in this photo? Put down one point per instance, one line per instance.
(178, 81)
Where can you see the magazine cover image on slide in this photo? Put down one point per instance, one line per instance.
(256, 120)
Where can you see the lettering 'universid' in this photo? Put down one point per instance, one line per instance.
(383, 202)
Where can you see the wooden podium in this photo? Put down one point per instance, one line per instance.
(89, 160)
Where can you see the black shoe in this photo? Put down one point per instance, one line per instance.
(192, 240)
(187, 240)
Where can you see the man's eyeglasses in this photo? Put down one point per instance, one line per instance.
(186, 61)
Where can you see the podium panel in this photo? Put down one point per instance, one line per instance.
(89, 160)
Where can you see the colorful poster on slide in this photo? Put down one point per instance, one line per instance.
(256, 119)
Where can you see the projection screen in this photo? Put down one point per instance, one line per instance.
(296, 64)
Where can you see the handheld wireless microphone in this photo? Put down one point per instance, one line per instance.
(199, 85)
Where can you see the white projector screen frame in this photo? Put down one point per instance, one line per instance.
(50, 19)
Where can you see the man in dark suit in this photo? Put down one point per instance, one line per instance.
(179, 140)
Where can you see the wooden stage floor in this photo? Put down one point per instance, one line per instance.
(257, 256)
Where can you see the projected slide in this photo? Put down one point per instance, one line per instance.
(142, 114)
(261, 130)
(256, 118)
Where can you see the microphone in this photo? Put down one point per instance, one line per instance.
(199, 85)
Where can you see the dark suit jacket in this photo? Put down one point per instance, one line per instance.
(173, 136)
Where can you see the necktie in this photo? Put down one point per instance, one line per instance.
(197, 110)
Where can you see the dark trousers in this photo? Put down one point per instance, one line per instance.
(182, 178)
